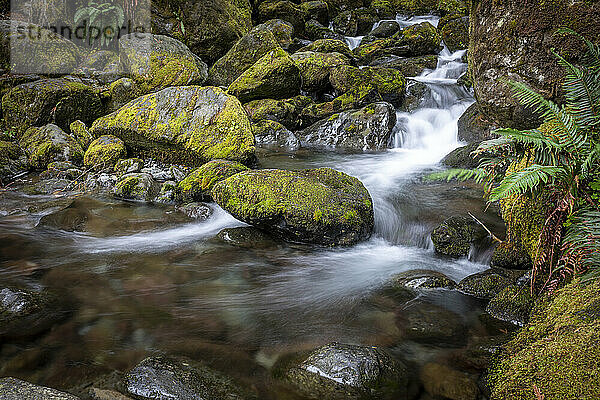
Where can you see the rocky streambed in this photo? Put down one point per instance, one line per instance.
(270, 236)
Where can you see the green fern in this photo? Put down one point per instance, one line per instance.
(526, 180)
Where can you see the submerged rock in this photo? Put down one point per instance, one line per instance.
(441, 380)
(137, 186)
(337, 371)
(489, 283)
(512, 304)
(189, 125)
(158, 378)
(104, 152)
(454, 236)
(16, 389)
(320, 206)
(50, 143)
(431, 324)
(198, 185)
(198, 211)
(369, 128)
(422, 279)
(246, 237)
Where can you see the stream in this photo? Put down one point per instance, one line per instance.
(143, 279)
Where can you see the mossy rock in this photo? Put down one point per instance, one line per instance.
(198, 185)
(287, 112)
(320, 206)
(463, 157)
(285, 10)
(315, 31)
(409, 67)
(367, 129)
(103, 66)
(82, 134)
(16, 389)
(329, 46)
(556, 354)
(58, 101)
(137, 187)
(188, 125)
(422, 279)
(455, 34)
(156, 62)
(486, 284)
(513, 304)
(317, 10)
(244, 54)
(337, 371)
(315, 67)
(346, 23)
(422, 39)
(454, 236)
(510, 256)
(128, 166)
(121, 92)
(274, 136)
(273, 76)
(390, 84)
(431, 6)
(104, 152)
(50, 143)
(12, 161)
(282, 31)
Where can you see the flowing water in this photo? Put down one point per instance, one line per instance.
(142, 279)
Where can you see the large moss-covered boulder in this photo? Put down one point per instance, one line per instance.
(455, 34)
(329, 46)
(556, 354)
(390, 84)
(198, 185)
(136, 186)
(156, 62)
(337, 371)
(454, 236)
(209, 27)
(287, 112)
(189, 124)
(273, 76)
(104, 152)
(282, 30)
(513, 304)
(515, 40)
(285, 10)
(42, 52)
(369, 128)
(16, 389)
(163, 377)
(315, 67)
(321, 206)
(57, 101)
(247, 51)
(409, 67)
(50, 143)
(12, 161)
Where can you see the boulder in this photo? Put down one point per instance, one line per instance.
(431, 6)
(285, 10)
(455, 34)
(286, 112)
(282, 31)
(209, 27)
(346, 23)
(315, 31)
(157, 378)
(189, 125)
(243, 55)
(273, 76)
(27, 313)
(81, 133)
(463, 157)
(329, 46)
(136, 186)
(410, 67)
(272, 135)
(454, 236)
(512, 304)
(12, 161)
(472, 126)
(422, 279)
(320, 206)
(317, 10)
(128, 166)
(156, 62)
(104, 152)
(16, 389)
(198, 185)
(390, 84)
(443, 381)
(336, 371)
(431, 324)
(50, 143)
(486, 284)
(315, 67)
(510, 256)
(369, 128)
(416, 95)
(58, 101)
(385, 29)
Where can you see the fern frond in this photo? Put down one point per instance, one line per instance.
(581, 243)
(493, 145)
(526, 180)
(593, 53)
(460, 174)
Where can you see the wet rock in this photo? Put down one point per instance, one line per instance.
(441, 380)
(12, 161)
(315, 31)
(286, 112)
(463, 157)
(455, 34)
(50, 143)
(321, 206)
(273, 76)
(157, 62)
(510, 256)
(243, 55)
(385, 29)
(410, 67)
(512, 304)
(369, 128)
(164, 171)
(137, 186)
(104, 152)
(346, 23)
(106, 394)
(157, 378)
(189, 125)
(389, 84)
(478, 354)
(486, 284)
(336, 371)
(472, 127)
(317, 10)
(101, 182)
(273, 135)
(16, 389)
(329, 46)
(56, 101)
(431, 324)
(315, 68)
(454, 236)
(128, 166)
(416, 93)
(168, 193)
(282, 31)
(246, 237)
(197, 211)
(285, 10)
(198, 185)
(422, 279)
(62, 170)
(25, 313)
(81, 133)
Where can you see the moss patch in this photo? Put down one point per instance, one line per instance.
(198, 185)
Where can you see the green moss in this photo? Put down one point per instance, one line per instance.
(47, 144)
(81, 133)
(329, 46)
(104, 152)
(198, 185)
(556, 353)
(315, 67)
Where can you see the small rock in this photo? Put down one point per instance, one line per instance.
(197, 211)
(513, 304)
(431, 324)
(454, 236)
(138, 186)
(440, 380)
(16, 389)
(486, 284)
(423, 279)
